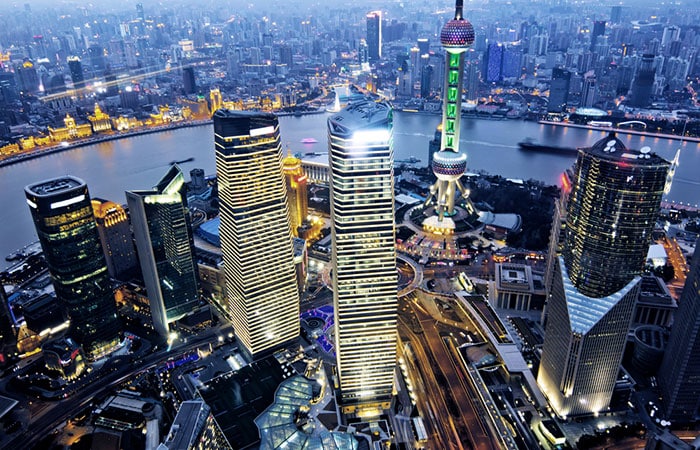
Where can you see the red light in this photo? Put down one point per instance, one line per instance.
(565, 183)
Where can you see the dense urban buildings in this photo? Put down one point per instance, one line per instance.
(679, 373)
(64, 220)
(363, 255)
(161, 224)
(256, 240)
(611, 213)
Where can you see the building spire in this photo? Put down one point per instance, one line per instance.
(459, 6)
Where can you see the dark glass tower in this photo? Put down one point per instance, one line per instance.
(559, 90)
(611, 212)
(161, 224)
(76, 72)
(374, 35)
(643, 83)
(63, 217)
(679, 374)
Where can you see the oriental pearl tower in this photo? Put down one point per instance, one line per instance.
(449, 164)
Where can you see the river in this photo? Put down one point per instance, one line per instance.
(138, 162)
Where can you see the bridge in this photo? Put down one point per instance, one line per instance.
(632, 123)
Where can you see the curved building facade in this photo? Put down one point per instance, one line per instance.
(64, 221)
(256, 240)
(611, 212)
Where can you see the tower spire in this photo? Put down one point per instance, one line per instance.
(459, 6)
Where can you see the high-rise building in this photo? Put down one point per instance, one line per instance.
(611, 213)
(374, 35)
(598, 30)
(559, 90)
(493, 62)
(297, 197)
(679, 374)
(643, 83)
(256, 240)
(364, 255)
(616, 14)
(161, 223)
(65, 223)
(115, 237)
(449, 164)
(189, 82)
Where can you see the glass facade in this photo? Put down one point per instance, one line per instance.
(679, 374)
(256, 241)
(364, 256)
(64, 221)
(161, 222)
(611, 212)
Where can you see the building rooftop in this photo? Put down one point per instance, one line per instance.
(612, 148)
(189, 420)
(364, 114)
(54, 186)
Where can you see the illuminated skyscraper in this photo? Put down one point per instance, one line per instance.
(364, 255)
(64, 221)
(449, 164)
(374, 35)
(161, 224)
(611, 213)
(297, 197)
(256, 241)
(115, 235)
(679, 374)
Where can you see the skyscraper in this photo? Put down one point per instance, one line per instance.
(161, 224)
(364, 255)
(679, 374)
(76, 72)
(115, 236)
(611, 213)
(449, 164)
(64, 221)
(643, 83)
(559, 90)
(297, 197)
(374, 35)
(256, 241)
(493, 62)
(598, 30)
(189, 82)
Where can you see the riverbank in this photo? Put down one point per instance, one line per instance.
(621, 130)
(43, 151)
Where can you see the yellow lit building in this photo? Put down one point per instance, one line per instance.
(70, 131)
(100, 121)
(123, 123)
(215, 99)
(295, 179)
(256, 241)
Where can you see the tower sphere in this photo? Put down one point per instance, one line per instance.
(449, 165)
(457, 33)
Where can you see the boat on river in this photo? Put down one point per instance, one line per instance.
(532, 146)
